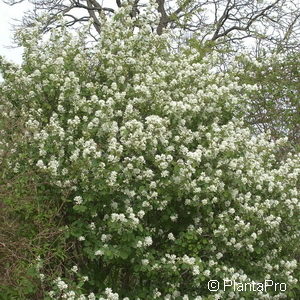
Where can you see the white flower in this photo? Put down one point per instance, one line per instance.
(78, 200)
(103, 237)
(74, 269)
(92, 226)
(254, 235)
(231, 210)
(174, 218)
(141, 214)
(139, 244)
(40, 164)
(171, 236)
(148, 241)
(61, 284)
(59, 61)
(199, 230)
(118, 217)
(91, 296)
(99, 253)
(42, 276)
(196, 270)
(188, 260)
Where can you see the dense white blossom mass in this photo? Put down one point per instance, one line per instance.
(166, 185)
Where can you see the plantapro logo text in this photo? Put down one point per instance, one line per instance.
(267, 285)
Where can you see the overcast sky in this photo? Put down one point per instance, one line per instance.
(7, 16)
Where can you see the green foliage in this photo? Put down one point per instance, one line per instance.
(275, 106)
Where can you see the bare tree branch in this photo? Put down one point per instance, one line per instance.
(164, 19)
(272, 22)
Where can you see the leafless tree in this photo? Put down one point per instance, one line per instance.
(272, 22)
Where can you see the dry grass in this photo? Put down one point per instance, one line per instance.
(28, 228)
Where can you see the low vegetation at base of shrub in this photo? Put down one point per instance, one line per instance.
(30, 228)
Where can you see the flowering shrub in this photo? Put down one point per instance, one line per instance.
(163, 187)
